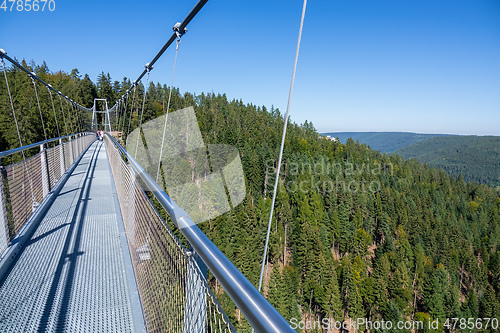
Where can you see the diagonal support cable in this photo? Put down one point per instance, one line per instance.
(54, 108)
(131, 109)
(39, 108)
(148, 67)
(168, 104)
(18, 133)
(281, 147)
(62, 111)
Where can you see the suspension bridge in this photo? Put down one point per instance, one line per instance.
(83, 245)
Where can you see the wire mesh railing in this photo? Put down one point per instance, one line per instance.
(173, 288)
(25, 184)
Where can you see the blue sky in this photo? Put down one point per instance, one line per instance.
(429, 66)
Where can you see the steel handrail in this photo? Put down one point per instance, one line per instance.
(255, 307)
(37, 144)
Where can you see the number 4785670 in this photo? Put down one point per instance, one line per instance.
(28, 5)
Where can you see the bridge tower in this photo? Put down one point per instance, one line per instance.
(107, 119)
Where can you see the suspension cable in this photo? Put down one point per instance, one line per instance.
(178, 42)
(78, 125)
(11, 104)
(39, 108)
(62, 111)
(78, 120)
(281, 147)
(26, 170)
(74, 117)
(179, 27)
(34, 77)
(78, 114)
(3, 54)
(117, 109)
(53, 108)
(131, 109)
(69, 118)
(142, 111)
(124, 114)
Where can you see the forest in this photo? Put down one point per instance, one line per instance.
(386, 142)
(356, 233)
(476, 158)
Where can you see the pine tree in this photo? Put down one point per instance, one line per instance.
(435, 294)
(381, 273)
(352, 299)
(346, 229)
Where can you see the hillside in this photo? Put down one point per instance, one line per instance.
(476, 158)
(385, 142)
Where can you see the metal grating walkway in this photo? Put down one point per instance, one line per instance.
(75, 274)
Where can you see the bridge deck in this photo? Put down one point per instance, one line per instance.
(75, 275)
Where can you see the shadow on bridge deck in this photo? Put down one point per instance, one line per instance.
(75, 273)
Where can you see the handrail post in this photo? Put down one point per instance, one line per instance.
(80, 143)
(77, 143)
(4, 226)
(45, 170)
(70, 149)
(61, 157)
(80, 140)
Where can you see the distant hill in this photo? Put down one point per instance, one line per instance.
(385, 142)
(477, 158)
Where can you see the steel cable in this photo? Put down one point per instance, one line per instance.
(142, 111)
(62, 112)
(54, 108)
(168, 106)
(131, 109)
(282, 145)
(39, 108)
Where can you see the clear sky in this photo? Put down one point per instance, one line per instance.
(429, 66)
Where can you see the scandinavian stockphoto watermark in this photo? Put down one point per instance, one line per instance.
(363, 324)
(359, 324)
(328, 177)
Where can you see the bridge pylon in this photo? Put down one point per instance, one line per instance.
(107, 119)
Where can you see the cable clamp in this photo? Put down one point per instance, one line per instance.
(177, 30)
(148, 70)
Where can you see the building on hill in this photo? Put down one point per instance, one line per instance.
(331, 138)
